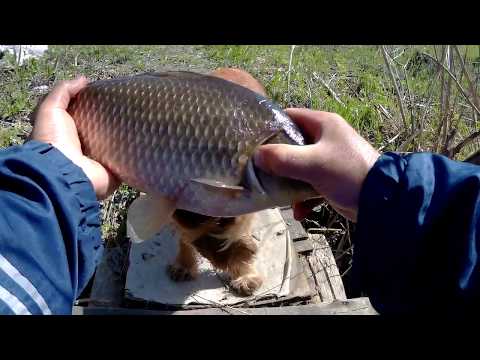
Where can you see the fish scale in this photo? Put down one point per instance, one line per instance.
(160, 133)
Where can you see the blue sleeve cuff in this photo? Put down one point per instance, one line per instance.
(416, 238)
(51, 228)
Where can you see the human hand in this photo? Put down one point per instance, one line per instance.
(54, 125)
(335, 164)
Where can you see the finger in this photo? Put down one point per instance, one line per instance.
(310, 122)
(291, 161)
(61, 94)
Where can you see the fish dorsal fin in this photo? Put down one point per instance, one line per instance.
(185, 74)
(189, 75)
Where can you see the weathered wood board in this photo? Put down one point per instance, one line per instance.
(358, 306)
(297, 232)
(314, 259)
(324, 268)
(315, 297)
(108, 285)
(303, 246)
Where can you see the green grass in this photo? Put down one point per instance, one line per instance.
(18, 84)
(357, 74)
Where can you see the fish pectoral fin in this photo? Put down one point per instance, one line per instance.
(217, 185)
(146, 216)
(209, 186)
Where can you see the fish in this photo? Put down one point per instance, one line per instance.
(186, 141)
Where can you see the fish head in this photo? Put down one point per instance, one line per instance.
(275, 190)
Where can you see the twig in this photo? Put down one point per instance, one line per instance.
(55, 70)
(323, 230)
(427, 107)
(391, 140)
(400, 54)
(468, 140)
(472, 136)
(458, 103)
(403, 146)
(329, 89)
(289, 71)
(442, 91)
(221, 306)
(473, 158)
(447, 112)
(456, 82)
(346, 271)
(338, 257)
(409, 94)
(473, 92)
(310, 103)
(384, 111)
(397, 91)
(19, 59)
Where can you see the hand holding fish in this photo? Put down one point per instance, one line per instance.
(53, 125)
(336, 164)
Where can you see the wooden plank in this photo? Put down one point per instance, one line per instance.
(320, 277)
(358, 306)
(297, 232)
(328, 280)
(108, 285)
(310, 279)
(303, 246)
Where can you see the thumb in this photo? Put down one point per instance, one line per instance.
(284, 160)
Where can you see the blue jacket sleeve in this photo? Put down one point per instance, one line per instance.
(50, 240)
(417, 239)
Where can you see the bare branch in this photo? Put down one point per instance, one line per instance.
(468, 140)
(289, 71)
(473, 92)
(397, 91)
(447, 112)
(456, 82)
(391, 141)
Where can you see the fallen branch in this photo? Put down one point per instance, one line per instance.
(391, 141)
(384, 111)
(468, 140)
(473, 158)
(403, 146)
(329, 89)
